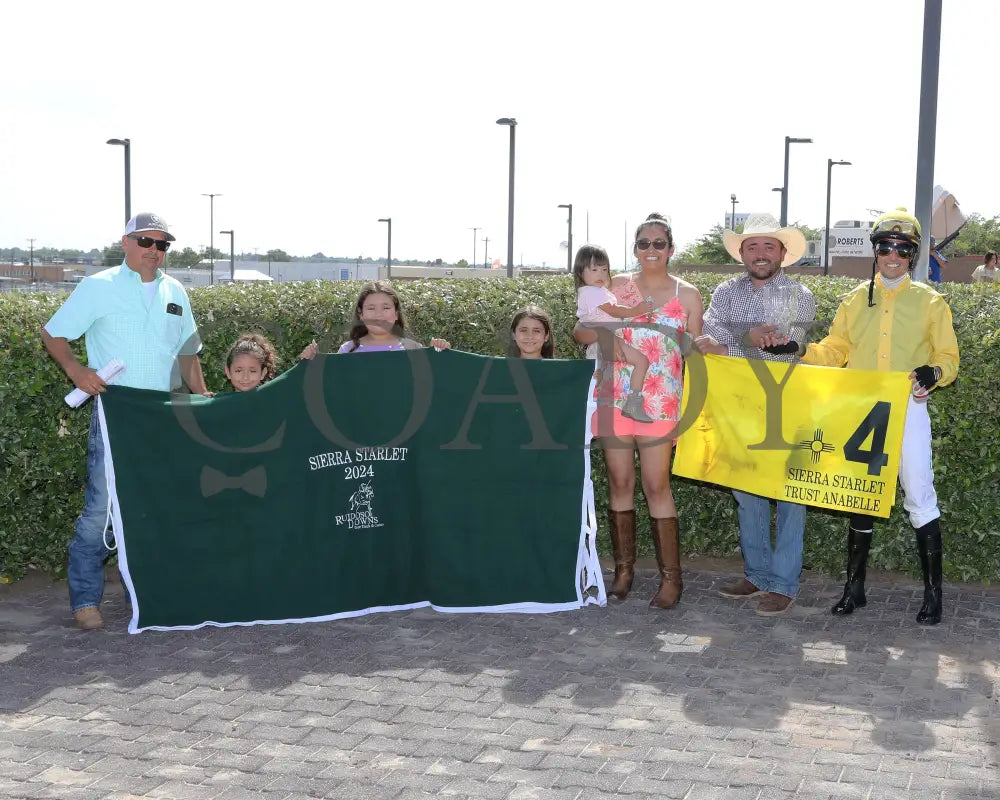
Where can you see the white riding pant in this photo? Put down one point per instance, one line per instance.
(916, 473)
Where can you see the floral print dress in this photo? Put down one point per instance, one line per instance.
(664, 383)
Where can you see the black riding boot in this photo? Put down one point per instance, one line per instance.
(929, 548)
(859, 539)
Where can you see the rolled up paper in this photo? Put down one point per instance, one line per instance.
(107, 373)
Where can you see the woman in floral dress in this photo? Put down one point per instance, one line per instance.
(659, 335)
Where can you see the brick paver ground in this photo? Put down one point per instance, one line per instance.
(707, 701)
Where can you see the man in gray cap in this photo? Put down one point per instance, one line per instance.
(141, 316)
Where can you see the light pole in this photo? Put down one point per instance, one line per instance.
(31, 259)
(232, 260)
(486, 253)
(784, 195)
(927, 127)
(732, 219)
(511, 123)
(474, 232)
(127, 144)
(782, 190)
(569, 240)
(388, 258)
(830, 164)
(628, 252)
(211, 234)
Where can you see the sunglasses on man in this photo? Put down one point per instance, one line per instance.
(145, 242)
(658, 244)
(903, 249)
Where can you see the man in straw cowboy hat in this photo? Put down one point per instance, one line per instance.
(741, 322)
(894, 324)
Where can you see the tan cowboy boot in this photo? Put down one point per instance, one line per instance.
(89, 618)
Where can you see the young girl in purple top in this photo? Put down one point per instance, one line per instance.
(379, 324)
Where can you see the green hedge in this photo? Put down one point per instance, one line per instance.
(42, 442)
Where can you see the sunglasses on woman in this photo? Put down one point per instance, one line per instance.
(658, 244)
(904, 249)
(145, 242)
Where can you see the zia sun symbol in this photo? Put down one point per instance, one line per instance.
(816, 446)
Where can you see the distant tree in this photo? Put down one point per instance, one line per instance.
(462, 263)
(278, 255)
(317, 257)
(809, 233)
(214, 252)
(183, 258)
(708, 249)
(976, 237)
(113, 254)
(55, 254)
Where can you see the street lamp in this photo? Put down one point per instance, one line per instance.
(31, 259)
(486, 253)
(511, 123)
(211, 234)
(732, 219)
(830, 164)
(784, 195)
(388, 259)
(127, 144)
(474, 231)
(782, 190)
(927, 128)
(232, 260)
(569, 240)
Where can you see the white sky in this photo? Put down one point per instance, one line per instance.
(315, 119)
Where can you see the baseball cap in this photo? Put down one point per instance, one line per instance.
(145, 221)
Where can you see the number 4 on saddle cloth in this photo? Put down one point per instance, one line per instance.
(307, 500)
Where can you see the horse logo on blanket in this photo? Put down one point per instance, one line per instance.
(362, 498)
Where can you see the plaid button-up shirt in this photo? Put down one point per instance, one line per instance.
(737, 306)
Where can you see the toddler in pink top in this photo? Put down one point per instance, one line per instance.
(596, 306)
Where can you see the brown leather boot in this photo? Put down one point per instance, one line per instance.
(623, 546)
(666, 542)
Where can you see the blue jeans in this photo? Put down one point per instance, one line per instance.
(87, 550)
(772, 569)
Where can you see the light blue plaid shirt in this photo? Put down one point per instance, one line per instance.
(111, 309)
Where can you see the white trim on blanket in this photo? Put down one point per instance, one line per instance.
(117, 526)
(588, 563)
